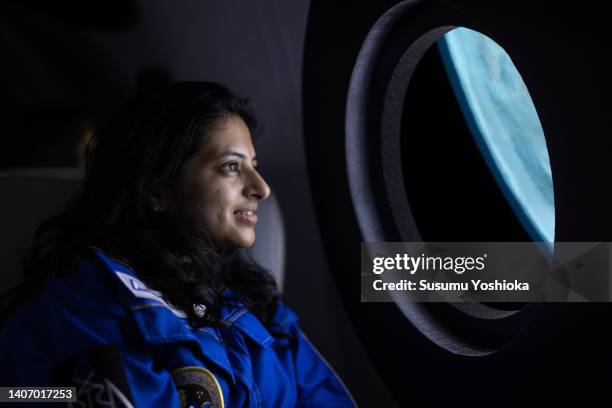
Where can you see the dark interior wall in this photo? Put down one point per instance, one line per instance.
(256, 49)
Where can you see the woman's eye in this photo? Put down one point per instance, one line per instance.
(231, 167)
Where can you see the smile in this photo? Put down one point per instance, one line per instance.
(246, 216)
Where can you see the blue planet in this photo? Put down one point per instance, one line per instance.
(504, 122)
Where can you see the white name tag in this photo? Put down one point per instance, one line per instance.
(140, 290)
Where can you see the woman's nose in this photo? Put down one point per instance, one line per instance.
(257, 187)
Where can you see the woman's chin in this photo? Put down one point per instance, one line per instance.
(248, 243)
(245, 241)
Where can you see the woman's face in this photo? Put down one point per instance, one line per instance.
(220, 185)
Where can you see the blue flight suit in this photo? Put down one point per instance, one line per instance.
(164, 361)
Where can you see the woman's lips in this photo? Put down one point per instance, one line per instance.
(246, 216)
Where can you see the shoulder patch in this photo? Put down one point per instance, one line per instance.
(138, 288)
(198, 387)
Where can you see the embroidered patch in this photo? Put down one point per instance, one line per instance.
(198, 387)
(138, 288)
(99, 378)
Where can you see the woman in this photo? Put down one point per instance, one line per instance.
(136, 294)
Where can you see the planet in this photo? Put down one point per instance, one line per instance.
(504, 122)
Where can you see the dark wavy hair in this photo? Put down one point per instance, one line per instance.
(141, 152)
